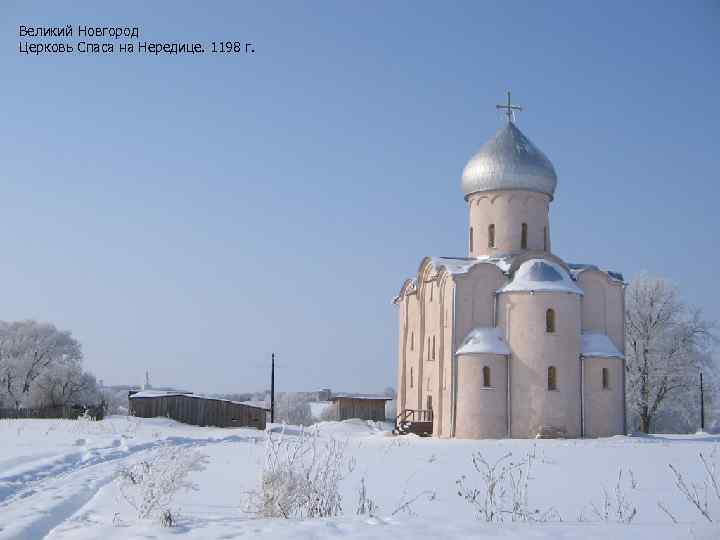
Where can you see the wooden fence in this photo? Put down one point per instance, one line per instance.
(96, 412)
(199, 411)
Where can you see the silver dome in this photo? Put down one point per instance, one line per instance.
(509, 161)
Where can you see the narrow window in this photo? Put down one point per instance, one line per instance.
(605, 378)
(523, 236)
(412, 382)
(412, 341)
(428, 348)
(486, 376)
(429, 403)
(433, 348)
(431, 291)
(545, 239)
(550, 321)
(491, 236)
(471, 240)
(552, 378)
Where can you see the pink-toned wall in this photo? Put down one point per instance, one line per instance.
(481, 411)
(431, 345)
(603, 306)
(410, 350)
(474, 299)
(425, 324)
(532, 405)
(602, 312)
(442, 423)
(508, 210)
(603, 407)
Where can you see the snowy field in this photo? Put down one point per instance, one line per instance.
(58, 480)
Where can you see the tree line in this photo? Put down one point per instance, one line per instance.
(41, 366)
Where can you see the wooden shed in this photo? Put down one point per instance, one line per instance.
(365, 407)
(196, 410)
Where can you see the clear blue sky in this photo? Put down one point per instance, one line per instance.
(189, 215)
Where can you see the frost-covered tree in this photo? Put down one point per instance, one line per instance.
(293, 408)
(665, 346)
(65, 384)
(29, 349)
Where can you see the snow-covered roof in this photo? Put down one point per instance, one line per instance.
(462, 265)
(599, 345)
(163, 393)
(484, 339)
(257, 404)
(541, 275)
(158, 393)
(459, 265)
(576, 269)
(359, 396)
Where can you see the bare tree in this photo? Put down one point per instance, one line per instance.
(664, 345)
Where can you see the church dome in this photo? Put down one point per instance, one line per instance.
(509, 161)
(541, 275)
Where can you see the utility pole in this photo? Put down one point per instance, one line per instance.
(702, 405)
(272, 390)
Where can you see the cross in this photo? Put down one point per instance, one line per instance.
(509, 109)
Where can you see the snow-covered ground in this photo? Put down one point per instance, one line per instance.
(57, 481)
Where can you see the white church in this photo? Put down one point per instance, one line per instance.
(511, 341)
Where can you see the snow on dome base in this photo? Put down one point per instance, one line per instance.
(540, 275)
(509, 161)
(484, 339)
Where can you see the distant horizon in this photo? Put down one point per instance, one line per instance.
(190, 214)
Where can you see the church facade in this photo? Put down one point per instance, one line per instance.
(510, 340)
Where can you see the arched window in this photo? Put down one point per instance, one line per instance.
(412, 341)
(486, 376)
(471, 239)
(412, 382)
(523, 236)
(433, 348)
(552, 378)
(550, 321)
(605, 378)
(491, 236)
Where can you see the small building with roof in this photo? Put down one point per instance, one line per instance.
(362, 406)
(197, 410)
(511, 340)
